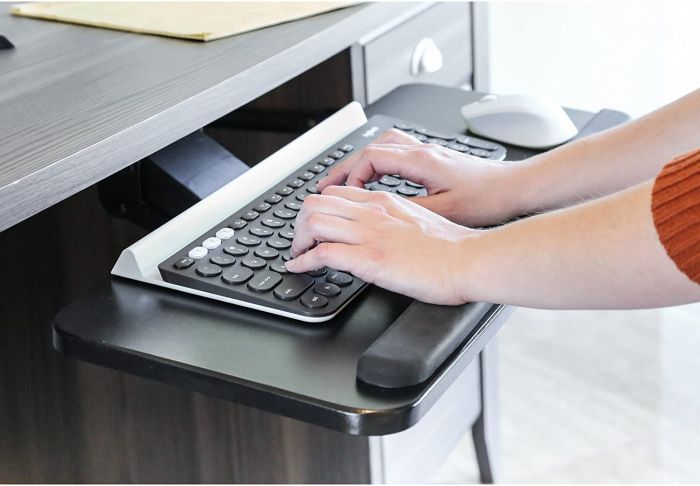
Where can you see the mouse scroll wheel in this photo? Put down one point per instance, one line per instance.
(488, 97)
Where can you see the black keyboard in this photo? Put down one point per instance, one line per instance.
(243, 256)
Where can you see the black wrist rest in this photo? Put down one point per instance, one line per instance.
(417, 343)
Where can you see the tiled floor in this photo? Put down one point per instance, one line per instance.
(595, 397)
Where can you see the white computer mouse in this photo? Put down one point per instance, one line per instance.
(523, 120)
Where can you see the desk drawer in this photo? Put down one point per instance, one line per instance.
(388, 58)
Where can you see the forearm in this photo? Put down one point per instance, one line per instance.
(600, 254)
(609, 161)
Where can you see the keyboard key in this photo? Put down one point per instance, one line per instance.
(341, 279)
(482, 144)
(198, 252)
(267, 253)
(414, 184)
(293, 285)
(404, 126)
(183, 263)
(420, 137)
(458, 147)
(327, 289)
(235, 250)
(284, 191)
(288, 234)
(301, 197)
(408, 191)
(337, 154)
(295, 184)
(278, 267)
(253, 262)
(319, 272)
(237, 276)
(379, 187)
(317, 169)
(328, 161)
(248, 240)
(464, 140)
(293, 205)
(264, 281)
(306, 176)
(208, 270)
(286, 257)
(480, 153)
(222, 261)
(389, 181)
(312, 190)
(211, 243)
(273, 199)
(285, 214)
(224, 233)
(347, 148)
(250, 215)
(434, 134)
(238, 224)
(262, 207)
(272, 222)
(279, 244)
(262, 232)
(313, 301)
(437, 141)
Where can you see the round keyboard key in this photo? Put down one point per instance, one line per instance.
(319, 272)
(248, 240)
(287, 234)
(222, 261)
(267, 253)
(278, 267)
(250, 215)
(380, 187)
(237, 276)
(253, 262)
(238, 224)
(408, 191)
(211, 243)
(414, 184)
(235, 250)
(420, 137)
(198, 252)
(295, 184)
(480, 153)
(317, 168)
(458, 147)
(434, 134)
(341, 279)
(208, 270)
(301, 197)
(306, 176)
(285, 191)
(273, 199)
(285, 214)
(225, 233)
(264, 282)
(313, 301)
(404, 126)
(182, 263)
(482, 144)
(293, 205)
(272, 222)
(347, 148)
(389, 181)
(286, 257)
(437, 141)
(328, 161)
(327, 289)
(464, 140)
(262, 207)
(312, 190)
(262, 232)
(279, 244)
(337, 154)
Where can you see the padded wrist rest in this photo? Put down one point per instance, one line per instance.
(417, 343)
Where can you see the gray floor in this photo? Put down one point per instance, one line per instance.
(595, 397)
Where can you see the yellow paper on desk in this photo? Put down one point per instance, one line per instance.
(188, 20)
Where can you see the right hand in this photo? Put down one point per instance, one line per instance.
(465, 189)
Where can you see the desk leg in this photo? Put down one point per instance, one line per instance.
(485, 432)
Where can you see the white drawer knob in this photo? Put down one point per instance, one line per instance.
(426, 57)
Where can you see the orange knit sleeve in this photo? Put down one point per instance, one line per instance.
(675, 206)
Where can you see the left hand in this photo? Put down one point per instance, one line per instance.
(383, 239)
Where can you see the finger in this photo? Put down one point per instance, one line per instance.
(341, 256)
(394, 135)
(324, 227)
(355, 194)
(408, 161)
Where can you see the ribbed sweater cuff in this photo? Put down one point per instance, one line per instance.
(675, 207)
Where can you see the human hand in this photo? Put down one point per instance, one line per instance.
(465, 189)
(383, 239)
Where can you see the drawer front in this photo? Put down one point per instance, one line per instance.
(390, 60)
